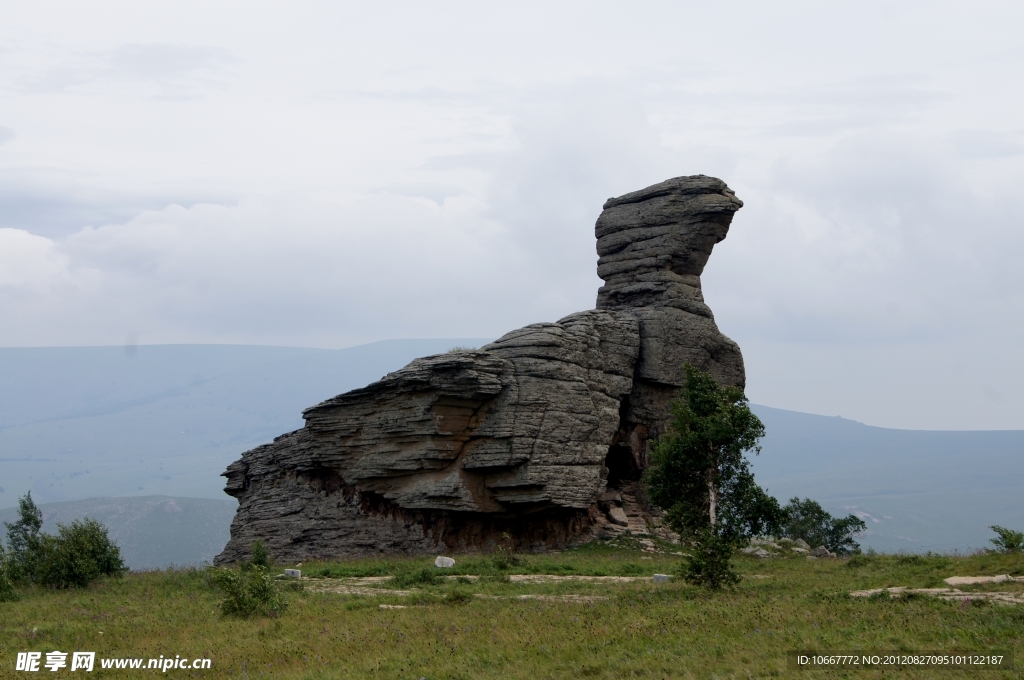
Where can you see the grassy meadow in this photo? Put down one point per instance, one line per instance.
(480, 621)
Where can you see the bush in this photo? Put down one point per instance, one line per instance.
(709, 565)
(249, 593)
(80, 553)
(504, 555)
(7, 592)
(1008, 540)
(457, 597)
(427, 576)
(806, 519)
(260, 557)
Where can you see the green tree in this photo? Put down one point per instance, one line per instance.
(806, 519)
(80, 553)
(701, 477)
(1007, 540)
(23, 538)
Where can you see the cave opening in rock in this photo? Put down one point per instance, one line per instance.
(622, 467)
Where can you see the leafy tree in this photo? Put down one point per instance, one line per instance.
(23, 538)
(806, 519)
(80, 553)
(700, 476)
(1008, 540)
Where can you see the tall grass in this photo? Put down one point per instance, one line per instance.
(479, 629)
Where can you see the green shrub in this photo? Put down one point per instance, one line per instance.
(505, 556)
(249, 593)
(426, 576)
(1008, 540)
(7, 592)
(709, 565)
(457, 597)
(806, 519)
(260, 558)
(858, 561)
(80, 553)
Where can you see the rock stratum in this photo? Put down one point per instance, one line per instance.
(533, 435)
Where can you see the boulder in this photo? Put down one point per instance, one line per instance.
(801, 543)
(820, 551)
(444, 562)
(618, 516)
(523, 436)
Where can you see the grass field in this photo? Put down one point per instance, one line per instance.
(458, 627)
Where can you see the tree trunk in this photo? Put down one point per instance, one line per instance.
(712, 497)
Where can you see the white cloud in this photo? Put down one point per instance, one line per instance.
(326, 174)
(30, 263)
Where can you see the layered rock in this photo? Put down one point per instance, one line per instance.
(522, 436)
(653, 245)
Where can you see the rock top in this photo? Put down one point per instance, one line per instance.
(528, 436)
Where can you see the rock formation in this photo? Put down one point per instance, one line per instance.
(531, 435)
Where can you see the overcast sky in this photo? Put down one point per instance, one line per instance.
(321, 174)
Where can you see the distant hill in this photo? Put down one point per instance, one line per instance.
(152, 531)
(164, 421)
(82, 422)
(917, 490)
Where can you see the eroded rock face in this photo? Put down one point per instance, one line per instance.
(521, 436)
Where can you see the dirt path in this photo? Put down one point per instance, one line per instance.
(999, 597)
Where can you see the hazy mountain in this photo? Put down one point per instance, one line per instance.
(152, 531)
(87, 422)
(81, 422)
(917, 490)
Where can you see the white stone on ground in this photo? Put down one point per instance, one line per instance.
(970, 580)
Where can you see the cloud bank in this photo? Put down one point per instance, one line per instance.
(330, 175)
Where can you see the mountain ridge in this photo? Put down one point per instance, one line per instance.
(823, 457)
